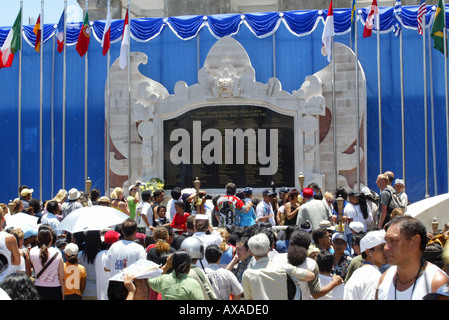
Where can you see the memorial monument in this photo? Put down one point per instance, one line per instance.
(229, 127)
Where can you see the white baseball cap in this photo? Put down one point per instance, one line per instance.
(372, 239)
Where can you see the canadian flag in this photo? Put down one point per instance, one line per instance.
(328, 32)
(368, 30)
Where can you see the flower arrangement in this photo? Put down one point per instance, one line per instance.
(153, 184)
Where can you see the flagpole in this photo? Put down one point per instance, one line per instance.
(334, 115)
(432, 107)
(41, 79)
(19, 133)
(445, 87)
(129, 94)
(108, 123)
(401, 66)
(64, 93)
(379, 91)
(425, 106)
(52, 106)
(86, 88)
(357, 97)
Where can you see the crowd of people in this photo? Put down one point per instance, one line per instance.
(288, 245)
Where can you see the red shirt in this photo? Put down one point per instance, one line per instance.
(180, 222)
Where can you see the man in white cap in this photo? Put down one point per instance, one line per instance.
(399, 185)
(363, 283)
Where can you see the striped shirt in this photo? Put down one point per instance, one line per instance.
(223, 282)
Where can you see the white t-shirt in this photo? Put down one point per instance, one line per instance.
(122, 254)
(309, 264)
(91, 279)
(363, 283)
(171, 211)
(264, 209)
(353, 212)
(102, 275)
(334, 294)
(144, 208)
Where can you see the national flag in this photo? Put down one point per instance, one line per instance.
(397, 8)
(84, 37)
(60, 32)
(353, 18)
(367, 31)
(125, 43)
(12, 43)
(37, 32)
(328, 32)
(421, 17)
(439, 29)
(397, 28)
(106, 40)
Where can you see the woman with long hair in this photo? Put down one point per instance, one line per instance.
(48, 266)
(86, 258)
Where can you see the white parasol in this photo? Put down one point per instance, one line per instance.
(21, 220)
(92, 218)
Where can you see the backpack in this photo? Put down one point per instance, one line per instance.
(226, 214)
(396, 201)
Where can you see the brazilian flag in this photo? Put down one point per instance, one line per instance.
(439, 28)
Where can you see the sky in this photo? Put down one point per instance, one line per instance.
(32, 8)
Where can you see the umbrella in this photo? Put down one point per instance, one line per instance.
(21, 220)
(91, 218)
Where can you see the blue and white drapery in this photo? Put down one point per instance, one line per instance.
(300, 23)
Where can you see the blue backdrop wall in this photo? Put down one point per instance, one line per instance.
(286, 45)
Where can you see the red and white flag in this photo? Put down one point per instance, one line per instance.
(367, 31)
(125, 44)
(421, 17)
(328, 32)
(106, 40)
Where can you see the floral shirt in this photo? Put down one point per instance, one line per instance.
(340, 268)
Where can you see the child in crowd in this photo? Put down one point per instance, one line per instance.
(74, 274)
(180, 218)
(162, 220)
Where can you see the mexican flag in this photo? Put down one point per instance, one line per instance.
(11, 44)
(84, 37)
(438, 28)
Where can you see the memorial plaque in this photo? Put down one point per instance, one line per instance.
(248, 145)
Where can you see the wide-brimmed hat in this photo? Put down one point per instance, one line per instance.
(73, 194)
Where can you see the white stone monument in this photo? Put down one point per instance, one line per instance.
(227, 79)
